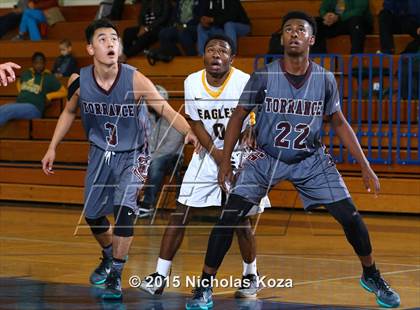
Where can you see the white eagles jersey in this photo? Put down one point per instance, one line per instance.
(214, 106)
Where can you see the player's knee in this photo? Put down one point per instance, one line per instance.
(234, 211)
(356, 231)
(344, 212)
(244, 227)
(124, 221)
(98, 226)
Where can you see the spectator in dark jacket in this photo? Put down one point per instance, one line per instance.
(65, 64)
(221, 16)
(399, 16)
(338, 17)
(11, 20)
(154, 15)
(183, 30)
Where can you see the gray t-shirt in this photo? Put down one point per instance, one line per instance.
(164, 139)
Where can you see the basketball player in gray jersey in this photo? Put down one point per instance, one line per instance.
(110, 97)
(293, 96)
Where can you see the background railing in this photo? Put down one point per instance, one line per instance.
(380, 97)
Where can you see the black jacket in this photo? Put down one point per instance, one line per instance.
(224, 11)
(161, 10)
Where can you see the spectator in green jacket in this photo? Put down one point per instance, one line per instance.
(338, 17)
(36, 86)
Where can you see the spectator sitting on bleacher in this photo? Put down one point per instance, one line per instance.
(117, 9)
(183, 30)
(65, 64)
(33, 16)
(154, 16)
(399, 16)
(11, 20)
(222, 17)
(166, 145)
(7, 74)
(338, 17)
(36, 86)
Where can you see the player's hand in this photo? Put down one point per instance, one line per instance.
(190, 137)
(369, 177)
(48, 161)
(7, 75)
(249, 139)
(225, 176)
(418, 31)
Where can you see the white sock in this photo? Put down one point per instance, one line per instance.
(163, 267)
(250, 268)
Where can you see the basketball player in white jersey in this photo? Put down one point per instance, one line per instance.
(211, 95)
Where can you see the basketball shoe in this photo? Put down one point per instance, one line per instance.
(99, 275)
(249, 287)
(385, 295)
(113, 288)
(202, 299)
(153, 284)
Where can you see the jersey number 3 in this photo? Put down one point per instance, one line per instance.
(112, 138)
(299, 143)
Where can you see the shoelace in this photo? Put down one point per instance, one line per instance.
(112, 280)
(381, 283)
(247, 284)
(198, 292)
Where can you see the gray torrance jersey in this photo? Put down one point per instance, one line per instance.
(112, 119)
(289, 116)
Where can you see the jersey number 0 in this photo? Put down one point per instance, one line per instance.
(219, 131)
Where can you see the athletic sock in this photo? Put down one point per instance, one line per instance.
(250, 268)
(107, 251)
(206, 279)
(163, 267)
(118, 265)
(369, 271)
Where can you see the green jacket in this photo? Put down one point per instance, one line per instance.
(353, 8)
(34, 87)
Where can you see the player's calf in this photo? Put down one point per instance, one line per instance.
(100, 226)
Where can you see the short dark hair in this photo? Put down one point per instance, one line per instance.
(38, 55)
(96, 24)
(300, 15)
(224, 38)
(65, 42)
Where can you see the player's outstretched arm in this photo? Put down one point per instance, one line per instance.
(233, 131)
(143, 87)
(63, 126)
(349, 139)
(7, 74)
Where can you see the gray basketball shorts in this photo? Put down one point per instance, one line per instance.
(316, 178)
(113, 179)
